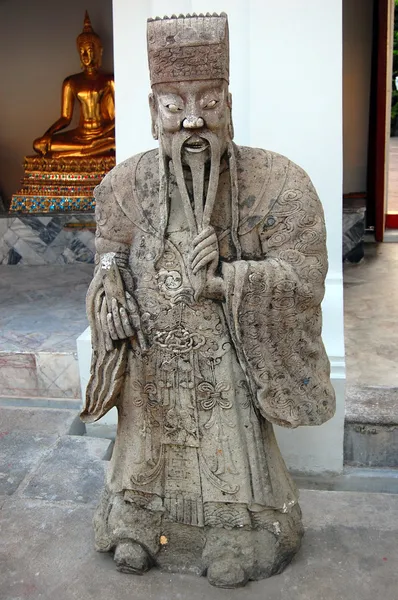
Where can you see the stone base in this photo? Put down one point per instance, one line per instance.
(230, 556)
(62, 184)
(371, 427)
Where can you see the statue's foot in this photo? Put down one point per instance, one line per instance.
(227, 573)
(130, 557)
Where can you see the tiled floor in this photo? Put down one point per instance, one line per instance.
(371, 317)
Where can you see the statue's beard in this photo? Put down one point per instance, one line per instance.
(200, 153)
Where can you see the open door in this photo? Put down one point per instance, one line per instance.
(380, 107)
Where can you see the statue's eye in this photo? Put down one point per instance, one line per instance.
(173, 108)
(211, 104)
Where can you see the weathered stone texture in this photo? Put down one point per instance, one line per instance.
(206, 327)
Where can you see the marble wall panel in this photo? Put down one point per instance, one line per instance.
(58, 375)
(18, 375)
(354, 222)
(4, 253)
(42, 240)
(39, 375)
(4, 226)
(10, 236)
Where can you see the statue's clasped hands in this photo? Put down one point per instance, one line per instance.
(206, 254)
(205, 251)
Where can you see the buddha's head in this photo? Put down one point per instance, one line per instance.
(89, 46)
(190, 102)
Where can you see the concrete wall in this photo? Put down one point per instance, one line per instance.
(357, 44)
(37, 51)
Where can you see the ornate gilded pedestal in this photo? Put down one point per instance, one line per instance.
(62, 184)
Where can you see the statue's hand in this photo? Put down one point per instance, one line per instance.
(118, 322)
(122, 322)
(214, 288)
(205, 251)
(43, 144)
(206, 254)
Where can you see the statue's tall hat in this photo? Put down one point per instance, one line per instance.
(188, 48)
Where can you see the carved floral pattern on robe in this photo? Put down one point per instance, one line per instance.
(195, 410)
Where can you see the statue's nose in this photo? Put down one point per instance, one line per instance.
(192, 122)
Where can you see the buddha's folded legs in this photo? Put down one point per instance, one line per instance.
(104, 147)
(72, 143)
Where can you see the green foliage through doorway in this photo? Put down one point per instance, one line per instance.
(394, 95)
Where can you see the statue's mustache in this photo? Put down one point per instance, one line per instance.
(194, 142)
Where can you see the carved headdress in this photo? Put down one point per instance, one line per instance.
(188, 48)
(88, 34)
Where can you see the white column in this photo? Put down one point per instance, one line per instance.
(286, 81)
(295, 100)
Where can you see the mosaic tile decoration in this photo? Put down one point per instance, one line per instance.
(60, 184)
(45, 240)
(52, 203)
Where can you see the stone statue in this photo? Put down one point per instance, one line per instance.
(94, 91)
(205, 312)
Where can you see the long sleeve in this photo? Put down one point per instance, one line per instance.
(273, 306)
(108, 358)
(119, 213)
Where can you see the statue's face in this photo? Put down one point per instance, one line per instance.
(193, 107)
(88, 54)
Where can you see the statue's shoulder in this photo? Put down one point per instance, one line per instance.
(71, 80)
(138, 174)
(122, 185)
(262, 163)
(263, 177)
(129, 169)
(117, 178)
(128, 191)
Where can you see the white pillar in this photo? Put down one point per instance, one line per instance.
(286, 81)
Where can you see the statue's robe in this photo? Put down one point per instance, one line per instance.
(196, 410)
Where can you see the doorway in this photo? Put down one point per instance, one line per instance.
(383, 147)
(392, 185)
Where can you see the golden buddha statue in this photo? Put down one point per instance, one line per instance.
(94, 90)
(71, 163)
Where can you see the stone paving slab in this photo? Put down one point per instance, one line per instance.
(40, 420)
(376, 405)
(349, 552)
(371, 317)
(20, 452)
(72, 472)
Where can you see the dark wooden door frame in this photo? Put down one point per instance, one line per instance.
(378, 116)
